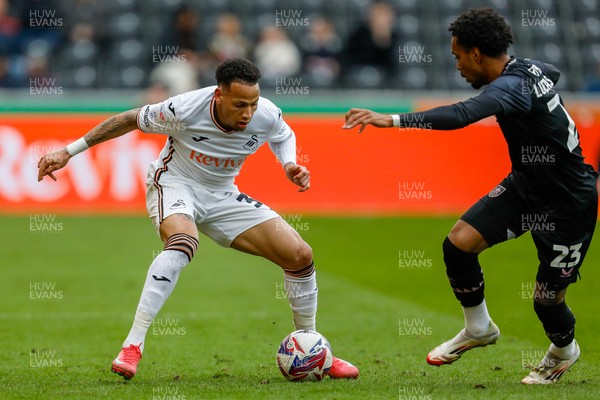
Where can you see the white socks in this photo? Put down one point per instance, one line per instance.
(477, 320)
(564, 353)
(160, 282)
(302, 294)
(162, 276)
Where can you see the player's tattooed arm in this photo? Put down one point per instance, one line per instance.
(113, 127)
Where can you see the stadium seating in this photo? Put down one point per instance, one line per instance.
(125, 32)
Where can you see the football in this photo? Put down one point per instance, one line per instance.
(304, 356)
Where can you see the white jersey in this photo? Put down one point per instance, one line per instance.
(198, 148)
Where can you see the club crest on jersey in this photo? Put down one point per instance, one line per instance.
(251, 143)
(178, 204)
(497, 191)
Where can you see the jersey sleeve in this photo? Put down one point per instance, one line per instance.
(504, 97)
(549, 70)
(454, 116)
(166, 117)
(280, 130)
(512, 92)
(285, 151)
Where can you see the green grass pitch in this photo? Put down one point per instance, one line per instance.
(69, 291)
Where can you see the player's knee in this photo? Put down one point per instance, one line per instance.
(187, 244)
(543, 310)
(449, 249)
(301, 258)
(466, 238)
(548, 295)
(457, 241)
(454, 256)
(548, 313)
(177, 223)
(304, 255)
(464, 273)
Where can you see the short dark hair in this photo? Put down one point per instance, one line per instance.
(237, 69)
(483, 28)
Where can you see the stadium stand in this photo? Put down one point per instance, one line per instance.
(113, 43)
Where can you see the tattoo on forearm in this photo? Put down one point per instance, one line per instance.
(112, 127)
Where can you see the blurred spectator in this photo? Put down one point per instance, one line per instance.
(182, 71)
(228, 42)
(593, 81)
(372, 46)
(276, 55)
(81, 32)
(77, 61)
(179, 72)
(42, 28)
(41, 33)
(5, 80)
(322, 48)
(82, 42)
(178, 75)
(184, 32)
(156, 93)
(9, 29)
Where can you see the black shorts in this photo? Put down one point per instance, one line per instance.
(561, 242)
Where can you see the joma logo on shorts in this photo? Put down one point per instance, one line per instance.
(216, 161)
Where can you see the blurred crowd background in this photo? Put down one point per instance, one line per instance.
(170, 46)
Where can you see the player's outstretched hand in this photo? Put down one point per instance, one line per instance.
(362, 117)
(52, 162)
(299, 175)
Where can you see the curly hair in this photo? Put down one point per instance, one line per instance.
(483, 28)
(237, 69)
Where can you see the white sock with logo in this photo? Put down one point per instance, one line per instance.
(160, 282)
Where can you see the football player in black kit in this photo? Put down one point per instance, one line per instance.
(550, 191)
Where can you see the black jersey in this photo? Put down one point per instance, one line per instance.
(548, 168)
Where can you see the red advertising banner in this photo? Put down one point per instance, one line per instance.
(380, 171)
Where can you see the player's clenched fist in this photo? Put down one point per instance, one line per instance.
(52, 162)
(362, 117)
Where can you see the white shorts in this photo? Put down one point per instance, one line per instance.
(220, 215)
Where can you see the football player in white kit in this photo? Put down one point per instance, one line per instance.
(190, 188)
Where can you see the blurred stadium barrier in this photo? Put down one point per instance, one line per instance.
(376, 172)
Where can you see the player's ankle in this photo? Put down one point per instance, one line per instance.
(477, 332)
(563, 352)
